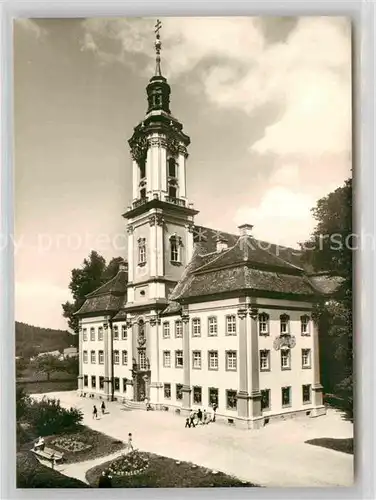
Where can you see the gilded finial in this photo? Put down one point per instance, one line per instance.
(158, 46)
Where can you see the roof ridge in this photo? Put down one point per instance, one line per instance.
(283, 260)
(220, 254)
(97, 290)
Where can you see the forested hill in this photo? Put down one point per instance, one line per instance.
(31, 340)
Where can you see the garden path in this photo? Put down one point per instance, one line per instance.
(275, 455)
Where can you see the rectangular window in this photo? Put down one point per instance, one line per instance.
(285, 359)
(142, 359)
(116, 332)
(196, 327)
(92, 333)
(231, 399)
(174, 248)
(116, 358)
(213, 360)
(196, 360)
(166, 359)
(178, 359)
(306, 393)
(231, 360)
(92, 357)
(178, 329)
(124, 334)
(84, 334)
(197, 395)
(284, 324)
(167, 391)
(86, 380)
(84, 356)
(265, 399)
(212, 326)
(263, 324)
(100, 333)
(179, 391)
(93, 381)
(117, 384)
(264, 360)
(101, 357)
(141, 251)
(231, 325)
(213, 396)
(101, 383)
(306, 358)
(286, 396)
(166, 330)
(124, 385)
(304, 325)
(124, 357)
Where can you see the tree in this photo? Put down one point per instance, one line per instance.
(47, 364)
(21, 365)
(91, 275)
(330, 250)
(70, 365)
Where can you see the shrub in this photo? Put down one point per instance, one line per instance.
(23, 401)
(32, 474)
(48, 417)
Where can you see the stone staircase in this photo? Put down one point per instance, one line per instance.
(133, 405)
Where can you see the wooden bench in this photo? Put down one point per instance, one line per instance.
(48, 454)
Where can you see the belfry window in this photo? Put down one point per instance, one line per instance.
(172, 167)
(141, 251)
(175, 245)
(172, 191)
(142, 167)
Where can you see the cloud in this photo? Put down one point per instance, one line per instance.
(31, 26)
(304, 73)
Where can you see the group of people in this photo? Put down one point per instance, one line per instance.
(201, 417)
(95, 410)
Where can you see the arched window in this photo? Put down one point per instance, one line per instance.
(141, 329)
(172, 167)
(142, 167)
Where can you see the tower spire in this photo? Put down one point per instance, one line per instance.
(158, 46)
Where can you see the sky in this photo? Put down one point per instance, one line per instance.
(265, 101)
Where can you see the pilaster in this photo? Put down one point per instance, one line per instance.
(135, 181)
(130, 253)
(160, 246)
(181, 175)
(243, 394)
(189, 242)
(317, 388)
(155, 384)
(254, 370)
(80, 359)
(187, 391)
(108, 361)
(153, 246)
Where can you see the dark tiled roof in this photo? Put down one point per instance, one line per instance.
(172, 308)
(108, 298)
(240, 278)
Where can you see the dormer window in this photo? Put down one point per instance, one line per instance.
(141, 251)
(175, 245)
(172, 167)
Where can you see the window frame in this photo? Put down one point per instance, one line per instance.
(193, 360)
(124, 332)
(85, 357)
(124, 381)
(179, 356)
(196, 322)
(268, 392)
(264, 319)
(100, 333)
(289, 404)
(227, 357)
(117, 384)
(142, 359)
(84, 335)
(195, 388)
(86, 381)
(116, 357)
(141, 245)
(210, 353)
(308, 353)
(166, 333)
(124, 355)
(167, 386)
(175, 254)
(172, 160)
(307, 332)
(211, 334)
(116, 332)
(284, 319)
(164, 355)
(267, 368)
(210, 403)
(101, 357)
(92, 334)
(93, 378)
(101, 382)
(93, 356)
(179, 392)
(227, 394)
(288, 367)
(308, 401)
(180, 323)
(234, 324)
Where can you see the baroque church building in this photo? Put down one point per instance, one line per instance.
(196, 316)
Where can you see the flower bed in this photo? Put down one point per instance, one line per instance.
(70, 444)
(131, 464)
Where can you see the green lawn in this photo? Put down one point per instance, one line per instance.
(164, 472)
(345, 445)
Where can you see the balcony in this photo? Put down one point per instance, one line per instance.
(139, 202)
(175, 201)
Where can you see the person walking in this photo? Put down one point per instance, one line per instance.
(187, 422)
(199, 415)
(215, 406)
(130, 442)
(103, 408)
(192, 419)
(95, 412)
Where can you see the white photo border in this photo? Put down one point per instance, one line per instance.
(362, 14)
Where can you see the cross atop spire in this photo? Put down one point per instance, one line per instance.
(158, 46)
